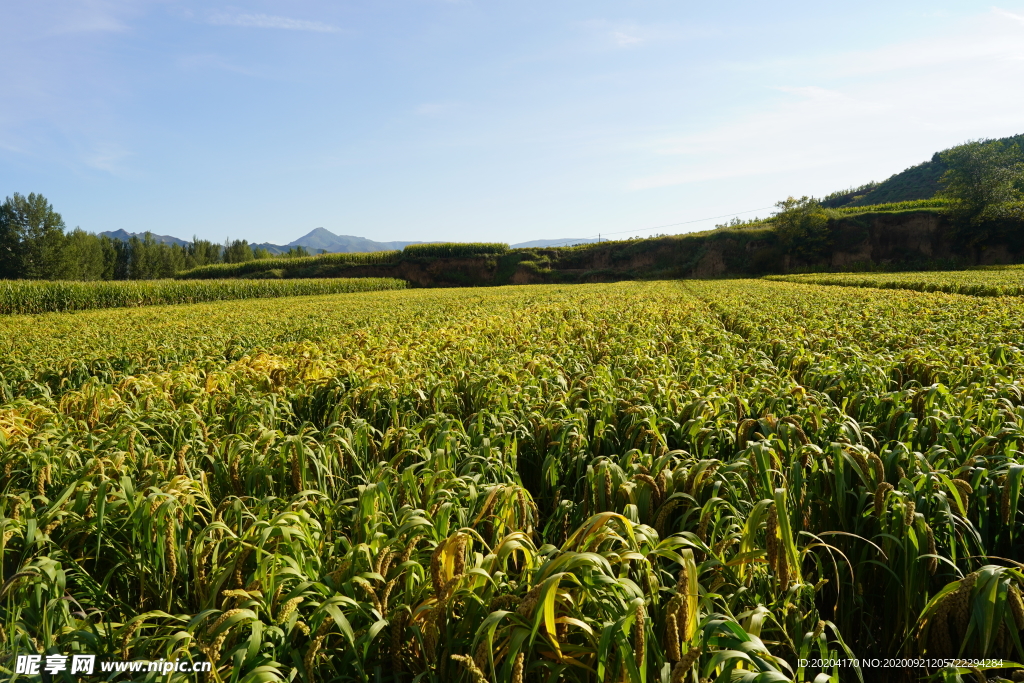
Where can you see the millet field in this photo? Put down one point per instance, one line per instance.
(664, 481)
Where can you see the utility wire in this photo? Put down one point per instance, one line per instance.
(670, 225)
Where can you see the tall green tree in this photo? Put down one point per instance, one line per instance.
(85, 257)
(150, 259)
(202, 252)
(984, 184)
(237, 251)
(10, 243)
(32, 239)
(801, 226)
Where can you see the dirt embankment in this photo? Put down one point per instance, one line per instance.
(914, 239)
(910, 239)
(437, 272)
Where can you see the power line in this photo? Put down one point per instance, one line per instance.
(671, 225)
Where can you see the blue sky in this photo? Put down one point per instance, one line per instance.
(471, 120)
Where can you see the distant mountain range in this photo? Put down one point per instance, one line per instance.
(124, 236)
(324, 240)
(316, 241)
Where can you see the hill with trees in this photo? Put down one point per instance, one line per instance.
(917, 182)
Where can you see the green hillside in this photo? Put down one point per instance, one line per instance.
(916, 182)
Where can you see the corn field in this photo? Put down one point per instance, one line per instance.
(261, 267)
(990, 281)
(321, 264)
(670, 482)
(910, 205)
(454, 249)
(40, 296)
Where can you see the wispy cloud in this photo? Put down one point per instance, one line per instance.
(269, 21)
(887, 99)
(92, 16)
(617, 34)
(213, 61)
(89, 24)
(623, 39)
(1008, 15)
(107, 156)
(813, 92)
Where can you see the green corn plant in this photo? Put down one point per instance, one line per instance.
(629, 482)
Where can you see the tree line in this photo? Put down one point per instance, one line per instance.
(36, 245)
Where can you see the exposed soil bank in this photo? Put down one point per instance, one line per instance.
(910, 240)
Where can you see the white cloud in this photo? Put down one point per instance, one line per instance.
(881, 109)
(812, 92)
(89, 24)
(625, 40)
(625, 35)
(107, 157)
(269, 21)
(1008, 15)
(91, 16)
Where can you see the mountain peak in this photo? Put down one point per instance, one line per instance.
(314, 234)
(320, 238)
(123, 235)
(313, 238)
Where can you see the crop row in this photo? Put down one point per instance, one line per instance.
(992, 281)
(910, 205)
(261, 267)
(629, 482)
(455, 249)
(36, 296)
